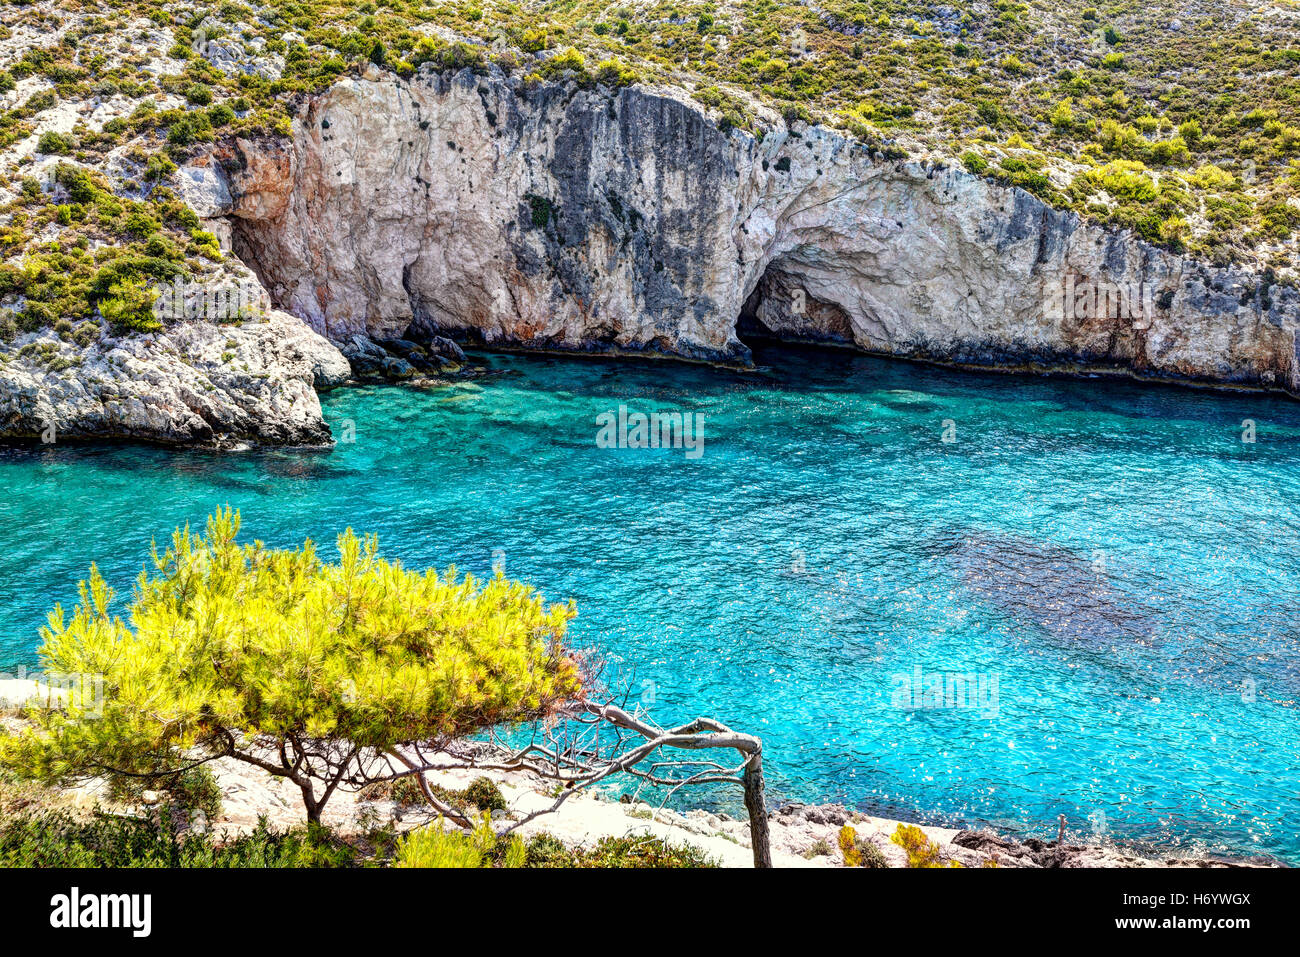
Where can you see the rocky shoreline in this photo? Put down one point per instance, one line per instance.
(195, 384)
(802, 835)
(555, 218)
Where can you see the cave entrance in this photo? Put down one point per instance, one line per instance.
(782, 309)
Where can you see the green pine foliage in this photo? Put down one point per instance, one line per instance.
(280, 659)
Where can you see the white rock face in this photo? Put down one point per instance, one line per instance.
(195, 383)
(204, 191)
(556, 217)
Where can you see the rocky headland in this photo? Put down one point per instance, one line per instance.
(402, 214)
(195, 383)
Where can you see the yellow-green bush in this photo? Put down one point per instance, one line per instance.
(921, 852)
(434, 846)
(271, 655)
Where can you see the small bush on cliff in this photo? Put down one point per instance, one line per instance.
(974, 162)
(858, 852)
(129, 305)
(921, 852)
(613, 73)
(568, 61)
(54, 143)
(328, 675)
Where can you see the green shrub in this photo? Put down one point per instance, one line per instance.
(129, 305)
(921, 852)
(59, 839)
(81, 187)
(158, 167)
(220, 115)
(1062, 115)
(1013, 64)
(613, 73)
(433, 846)
(638, 852)
(54, 143)
(139, 224)
(568, 60)
(189, 128)
(858, 852)
(974, 162)
(484, 794)
(820, 848)
(1123, 179)
(540, 210)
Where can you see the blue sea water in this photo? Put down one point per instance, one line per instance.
(1114, 564)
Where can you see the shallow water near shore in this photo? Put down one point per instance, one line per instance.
(1111, 569)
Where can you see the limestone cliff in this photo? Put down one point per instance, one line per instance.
(195, 383)
(554, 216)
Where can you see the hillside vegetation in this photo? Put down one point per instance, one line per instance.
(1180, 121)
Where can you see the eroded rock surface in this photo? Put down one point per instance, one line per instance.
(195, 383)
(552, 216)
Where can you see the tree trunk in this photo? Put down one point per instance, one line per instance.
(757, 808)
(309, 802)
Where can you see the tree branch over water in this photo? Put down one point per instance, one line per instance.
(339, 676)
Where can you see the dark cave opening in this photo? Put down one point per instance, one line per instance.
(782, 310)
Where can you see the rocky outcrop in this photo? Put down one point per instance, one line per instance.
(559, 217)
(195, 383)
(400, 360)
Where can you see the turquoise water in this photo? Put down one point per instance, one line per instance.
(1115, 558)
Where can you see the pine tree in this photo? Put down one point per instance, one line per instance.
(320, 673)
